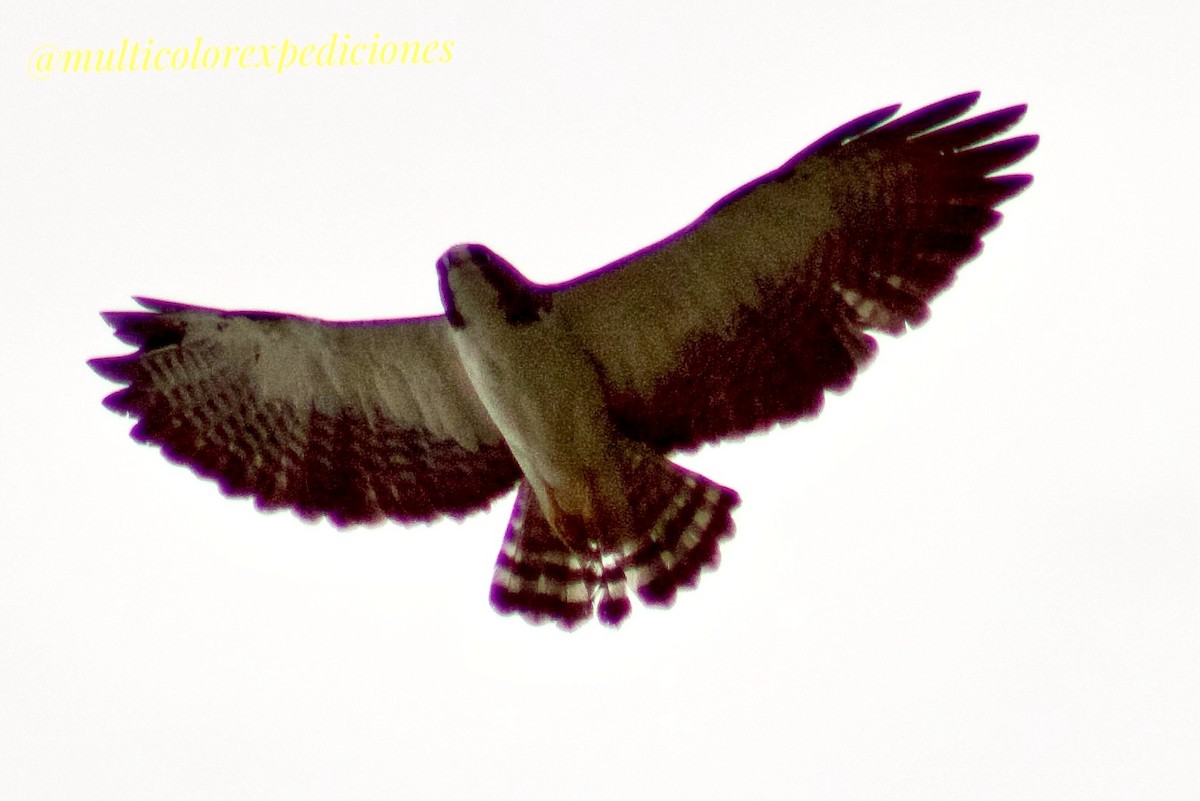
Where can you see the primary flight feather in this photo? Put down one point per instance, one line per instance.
(576, 392)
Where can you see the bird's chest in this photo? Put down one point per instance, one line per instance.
(542, 392)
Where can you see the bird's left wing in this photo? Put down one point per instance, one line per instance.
(746, 317)
(355, 421)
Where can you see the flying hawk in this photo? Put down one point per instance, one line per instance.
(576, 392)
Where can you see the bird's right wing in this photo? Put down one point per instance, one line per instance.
(355, 421)
(746, 317)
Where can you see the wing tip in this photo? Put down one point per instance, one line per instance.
(857, 127)
(975, 130)
(922, 120)
(933, 116)
(119, 402)
(1006, 187)
(166, 306)
(114, 368)
(145, 330)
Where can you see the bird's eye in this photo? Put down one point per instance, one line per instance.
(479, 255)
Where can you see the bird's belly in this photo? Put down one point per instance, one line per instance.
(545, 397)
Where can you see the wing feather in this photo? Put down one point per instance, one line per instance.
(354, 421)
(747, 316)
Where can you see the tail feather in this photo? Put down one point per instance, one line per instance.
(679, 518)
(536, 574)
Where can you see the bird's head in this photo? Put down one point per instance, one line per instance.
(476, 284)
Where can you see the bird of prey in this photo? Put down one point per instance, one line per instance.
(577, 392)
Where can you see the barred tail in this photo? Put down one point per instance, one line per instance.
(679, 518)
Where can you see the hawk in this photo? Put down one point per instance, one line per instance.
(577, 392)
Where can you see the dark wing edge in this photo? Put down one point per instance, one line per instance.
(353, 421)
(745, 318)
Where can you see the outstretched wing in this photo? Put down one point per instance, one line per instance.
(744, 318)
(356, 421)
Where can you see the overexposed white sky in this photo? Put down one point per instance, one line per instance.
(973, 577)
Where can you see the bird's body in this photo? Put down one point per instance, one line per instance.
(536, 382)
(578, 392)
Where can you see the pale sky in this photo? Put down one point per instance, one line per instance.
(973, 577)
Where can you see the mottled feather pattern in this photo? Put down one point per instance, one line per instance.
(680, 517)
(796, 358)
(199, 402)
(862, 230)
